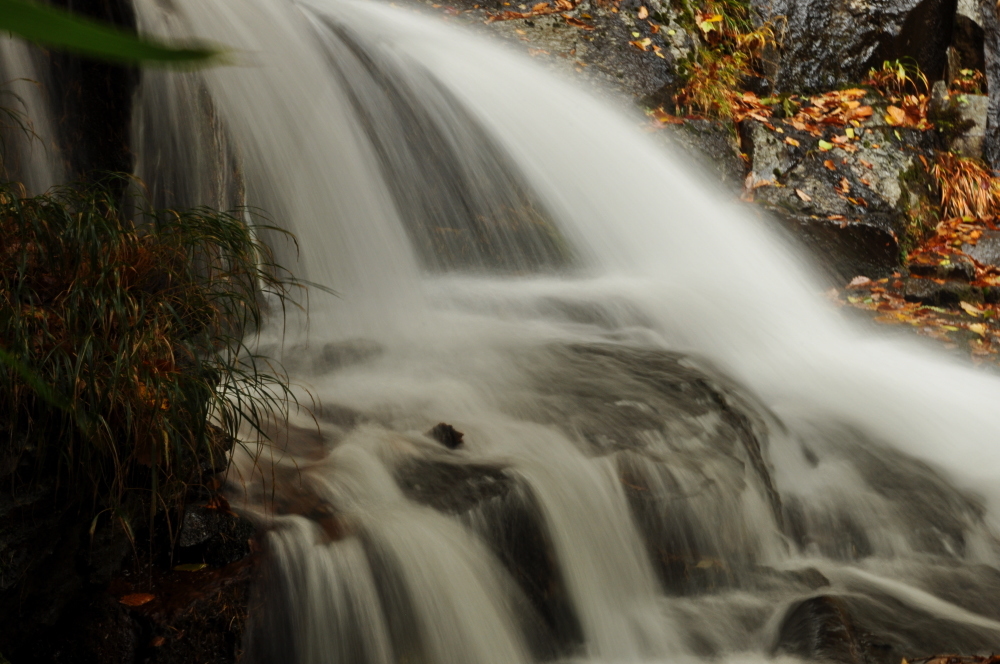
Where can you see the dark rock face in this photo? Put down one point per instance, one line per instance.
(503, 512)
(447, 435)
(986, 250)
(213, 536)
(715, 144)
(850, 209)
(949, 293)
(820, 628)
(991, 49)
(93, 99)
(830, 43)
(659, 416)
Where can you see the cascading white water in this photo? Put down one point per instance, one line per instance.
(30, 147)
(522, 263)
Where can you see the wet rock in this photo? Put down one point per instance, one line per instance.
(715, 144)
(949, 293)
(454, 488)
(504, 513)
(851, 209)
(604, 53)
(986, 250)
(991, 49)
(688, 447)
(213, 535)
(866, 247)
(971, 111)
(827, 43)
(940, 266)
(820, 628)
(447, 435)
(967, 39)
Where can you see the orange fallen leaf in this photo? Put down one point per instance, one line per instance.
(577, 23)
(895, 116)
(643, 13)
(830, 165)
(137, 599)
(666, 118)
(539, 7)
(791, 141)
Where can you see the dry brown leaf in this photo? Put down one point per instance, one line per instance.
(643, 13)
(137, 599)
(803, 195)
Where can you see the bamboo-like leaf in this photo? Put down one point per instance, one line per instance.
(61, 29)
(41, 388)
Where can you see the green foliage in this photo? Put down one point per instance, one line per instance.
(124, 361)
(730, 51)
(57, 28)
(898, 78)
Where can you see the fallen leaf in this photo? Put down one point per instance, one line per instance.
(539, 7)
(190, 567)
(137, 599)
(825, 146)
(859, 281)
(895, 116)
(971, 309)
(643, 13)
(978, 328)
(791, 141)
(803, 195)
(830, 165)
(158, 641)
(666, 118)
(577, 23)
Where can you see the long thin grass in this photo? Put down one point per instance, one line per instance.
(968, 187)
(123, 362)
(730, 52)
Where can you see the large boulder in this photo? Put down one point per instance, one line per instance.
(991, 49)
(828, 43)
(853, 208)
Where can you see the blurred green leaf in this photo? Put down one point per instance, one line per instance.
(41, 388)
(61, 29)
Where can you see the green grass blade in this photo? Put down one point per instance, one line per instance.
(57, 28)
(41, 388)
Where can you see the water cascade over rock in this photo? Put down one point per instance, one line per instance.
(669, 446)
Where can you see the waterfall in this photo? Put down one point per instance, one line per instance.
(27, 126)
(672, 447)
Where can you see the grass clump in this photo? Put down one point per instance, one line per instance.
(968, 187)
(730, 52)
(123, 368)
